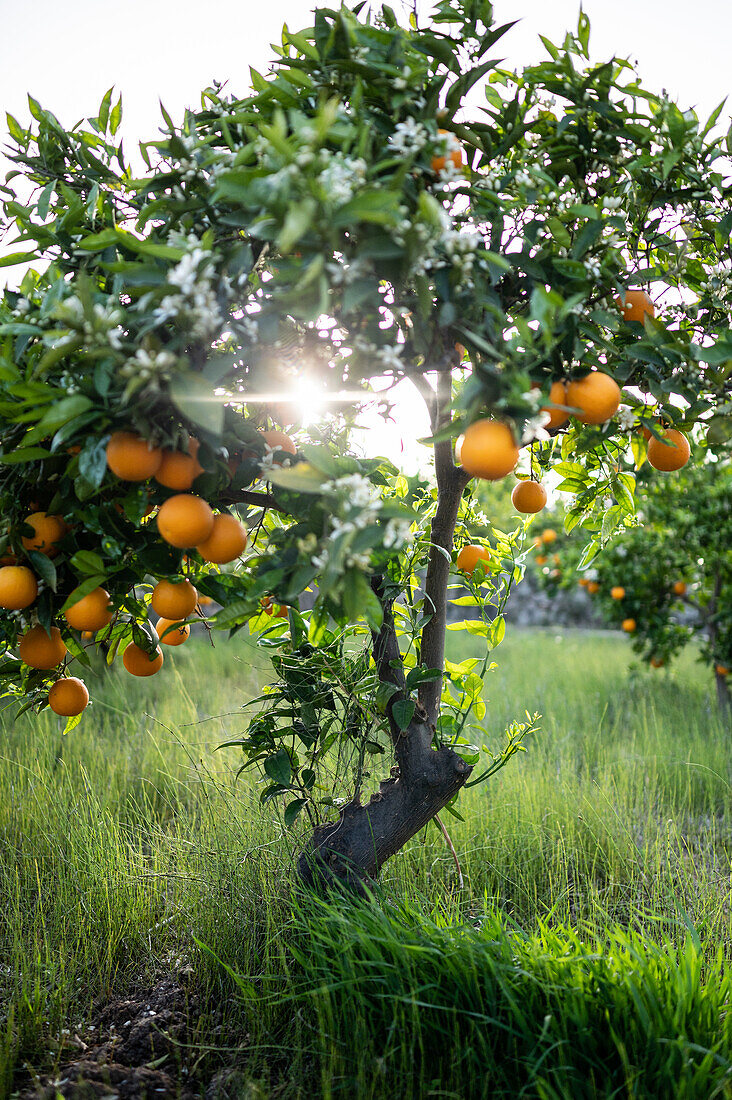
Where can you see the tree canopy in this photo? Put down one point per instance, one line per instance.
(386, 202)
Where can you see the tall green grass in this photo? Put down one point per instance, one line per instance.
(582, 954)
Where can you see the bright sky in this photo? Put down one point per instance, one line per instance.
(67, 55)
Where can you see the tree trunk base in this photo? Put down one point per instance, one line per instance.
(349, 853)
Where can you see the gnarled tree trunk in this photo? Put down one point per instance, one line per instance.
(351, 851)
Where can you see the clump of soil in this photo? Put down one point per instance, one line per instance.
(132, 1048)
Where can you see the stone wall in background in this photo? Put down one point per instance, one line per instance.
(530, 605)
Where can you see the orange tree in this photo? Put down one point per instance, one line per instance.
(672, 576)
(388, 202)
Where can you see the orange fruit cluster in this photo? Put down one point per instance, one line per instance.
(184, 520)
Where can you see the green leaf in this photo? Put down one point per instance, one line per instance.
(93, 462)
(44, 567)
(587, 237)
(298, 220)
(195, 398)
(403, 712)
(115, 116)
(302, 478)
(719, 430)
(59, 414)
(589, 552)
(24, 454)
(497, 631)
(279, 768)
(359, 600)
(86, 561)
(17, 258)
(292, 809)
(550, 48)
(15, 130)
(321, 459)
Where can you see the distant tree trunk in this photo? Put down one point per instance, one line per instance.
(723, 693)
(351, 851)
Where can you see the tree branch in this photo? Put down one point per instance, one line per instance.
(451, 480)
(258, 500)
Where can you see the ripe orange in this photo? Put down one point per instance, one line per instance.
(68, 697)
(670, 453)
(174, 601)
(455, 155)
(557, 396)
(137, 661)
(597, 397)
(657, 662)
(92, 612)
(593, 587)
(18, 587)
(131, 457)
(226, 542)
(204, 601)
(280, 441)
(549, 535)
(487, 450)
(679, 588)
(541, 559)
(618, 592)
(39, 650)
(470, 555)
(583, 582)
(637, 304)
(87, 635)
(185, 520)
(721, 670)
(176, 636)
(629, 625)
(49, 530)
(528, 497)
(176, 471)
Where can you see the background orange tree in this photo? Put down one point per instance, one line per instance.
(387, 202)
(670, 576)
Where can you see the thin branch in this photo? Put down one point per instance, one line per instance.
(387, 655)
(451, 846)
(258, 500)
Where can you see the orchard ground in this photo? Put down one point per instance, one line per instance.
(151, 943)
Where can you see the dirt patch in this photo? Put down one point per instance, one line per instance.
(132, 1048)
